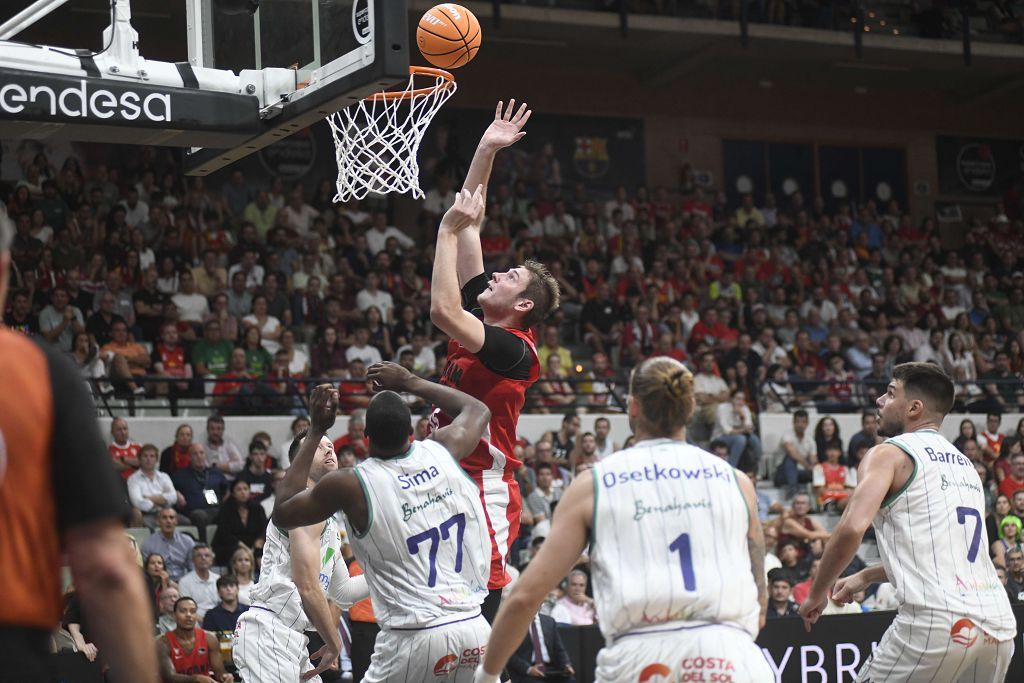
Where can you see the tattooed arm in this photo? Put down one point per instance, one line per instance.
(755, 544)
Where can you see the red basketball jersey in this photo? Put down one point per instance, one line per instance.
(195, 662)
(504, 396)
(492, 464)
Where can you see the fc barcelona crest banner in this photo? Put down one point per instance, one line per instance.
(602, 153)
(591, 157)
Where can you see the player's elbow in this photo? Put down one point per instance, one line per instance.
(440, 313)
(849, 531)
(307, 586)
(481, 416)
(523, 599)
(100, 562)
(285, 518)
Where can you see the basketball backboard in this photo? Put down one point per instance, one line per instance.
(342, 51)
(249, 80)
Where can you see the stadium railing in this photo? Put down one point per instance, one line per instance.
(289, 396)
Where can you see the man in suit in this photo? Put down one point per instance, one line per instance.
(542, 656)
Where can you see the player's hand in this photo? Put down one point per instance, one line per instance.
(227, 678)
(389, 376)
(90, 652)
(811, 609)
(467, 211)
(842, 592)
(535, 672)
(507, 127)
(323, 408)
(327, 655)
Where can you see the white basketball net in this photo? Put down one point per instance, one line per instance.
(376, 140)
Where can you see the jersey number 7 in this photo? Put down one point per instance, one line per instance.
(435, 535)
(962, 513)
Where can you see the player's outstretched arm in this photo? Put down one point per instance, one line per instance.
(470, 417)
(346, 590)
(755, 544)
(298, 506)
(305, 559)
(504, 131)
(568, 538)
(446, 310)
(323, 410)
(845, 588)
(874, 481)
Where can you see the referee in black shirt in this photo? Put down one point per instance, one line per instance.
(59, 494)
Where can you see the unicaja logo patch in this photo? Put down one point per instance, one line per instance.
(654, 673)
(446, 665)
(964, 632)
(82, 102)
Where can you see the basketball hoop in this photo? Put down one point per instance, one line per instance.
(377, 139)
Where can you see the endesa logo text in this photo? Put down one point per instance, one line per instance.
(86, 101)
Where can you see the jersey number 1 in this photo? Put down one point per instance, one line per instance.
(434, 535)
(682, 546)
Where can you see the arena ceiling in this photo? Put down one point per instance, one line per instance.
(579, 62)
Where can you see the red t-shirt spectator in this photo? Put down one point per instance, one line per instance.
(495, 245)
(693, 206)
(360, 447)
(119, 453)
(702, 332)
(353, 394)
(1009, 486)
(174, 360)
(801, 591)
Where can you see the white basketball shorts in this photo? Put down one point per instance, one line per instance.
(937, 648)
(267, 651)
(450, 652)
(711, 653)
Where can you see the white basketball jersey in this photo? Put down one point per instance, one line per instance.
(276, 591)
(426, 553)
(670, 541)
(932, 539)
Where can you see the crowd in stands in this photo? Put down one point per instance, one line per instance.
(156, 286)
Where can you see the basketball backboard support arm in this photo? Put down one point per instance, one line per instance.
(118, 96)
(28, 16)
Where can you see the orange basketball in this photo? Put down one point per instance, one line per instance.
(448, 36)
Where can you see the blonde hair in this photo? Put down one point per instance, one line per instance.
(246, 551)
(663, 388)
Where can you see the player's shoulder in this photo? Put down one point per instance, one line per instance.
(26, 349)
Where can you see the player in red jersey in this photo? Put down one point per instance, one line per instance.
(492, 354)
(188, 653)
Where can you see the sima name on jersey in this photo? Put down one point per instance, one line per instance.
(409, 481)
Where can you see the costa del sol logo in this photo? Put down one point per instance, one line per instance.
(655, 673)
(964, 632)
(446, 665)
